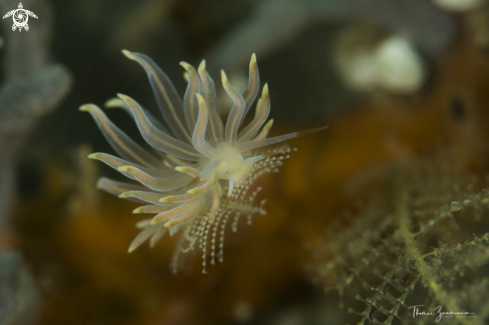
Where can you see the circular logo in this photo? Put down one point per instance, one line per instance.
(20, 18)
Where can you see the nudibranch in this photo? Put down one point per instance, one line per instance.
(201, 172)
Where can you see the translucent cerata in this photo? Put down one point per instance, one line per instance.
(201, 172)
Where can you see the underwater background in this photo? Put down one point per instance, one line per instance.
(384, 210)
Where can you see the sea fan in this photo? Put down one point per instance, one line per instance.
(422, 242)
(203, 174)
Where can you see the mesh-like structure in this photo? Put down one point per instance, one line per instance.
(425, 244)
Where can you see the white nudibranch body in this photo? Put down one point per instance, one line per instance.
(201, 172)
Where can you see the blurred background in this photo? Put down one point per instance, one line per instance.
(396, 81)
